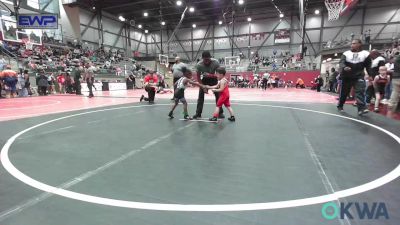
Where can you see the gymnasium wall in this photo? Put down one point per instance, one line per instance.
(381, 19)
(114, 32)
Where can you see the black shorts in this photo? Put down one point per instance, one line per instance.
(380, 89)
(209, 81)
(179, 95)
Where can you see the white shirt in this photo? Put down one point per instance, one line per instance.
(390, 66)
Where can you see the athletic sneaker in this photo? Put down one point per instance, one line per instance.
(232, 119)
(362, 112)
(141, 98)
(171, 115)
(221, 116)
(187, 117)
(385, 101)
(376, 110)
(340, 108)
(196, 116)
(213, 119)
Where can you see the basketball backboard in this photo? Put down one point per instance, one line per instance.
(163, 59)
(348, 4)
(232, 61)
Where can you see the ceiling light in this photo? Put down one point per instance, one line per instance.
(317, 12)
(146, 31)
(163, 23)
(194, 26)
(281, 15)
(191, 9)
(220, 22)
(93, 8)
(121, 18)
(241, 2)
(178, 3)
(140, 26)
(145, 14)
(249, 19)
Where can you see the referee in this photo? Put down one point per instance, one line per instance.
(351, 67)
(206, 69)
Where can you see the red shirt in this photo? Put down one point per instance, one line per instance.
(60, 79)
(151, 79)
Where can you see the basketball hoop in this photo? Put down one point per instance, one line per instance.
(334, 7)
(28, 44)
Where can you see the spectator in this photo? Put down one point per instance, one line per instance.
(319, 82)
(2, 62)
(61, 83)
(10, 82)
(332, 80)
(394, 98)
(42, 83)
(380, 82)
(69, 84)
(377, 62)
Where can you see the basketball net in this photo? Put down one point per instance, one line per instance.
(334, 7)
(28, 44)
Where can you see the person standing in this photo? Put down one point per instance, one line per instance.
(332, 80)
(177, 73)
(319, 82)
(177, 69)
(2, 62)
(42, 82)
(89, 77)
(390, 70)
(61, 83)
(380, 83)
(223, 88)
(394, 97)
(351, 66)
(206, 69)
(179, 95)
(23, 91)
(77, 72)
(377, 61)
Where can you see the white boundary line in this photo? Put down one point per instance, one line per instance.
(33, 201)
(204, 121)
(394, 174)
